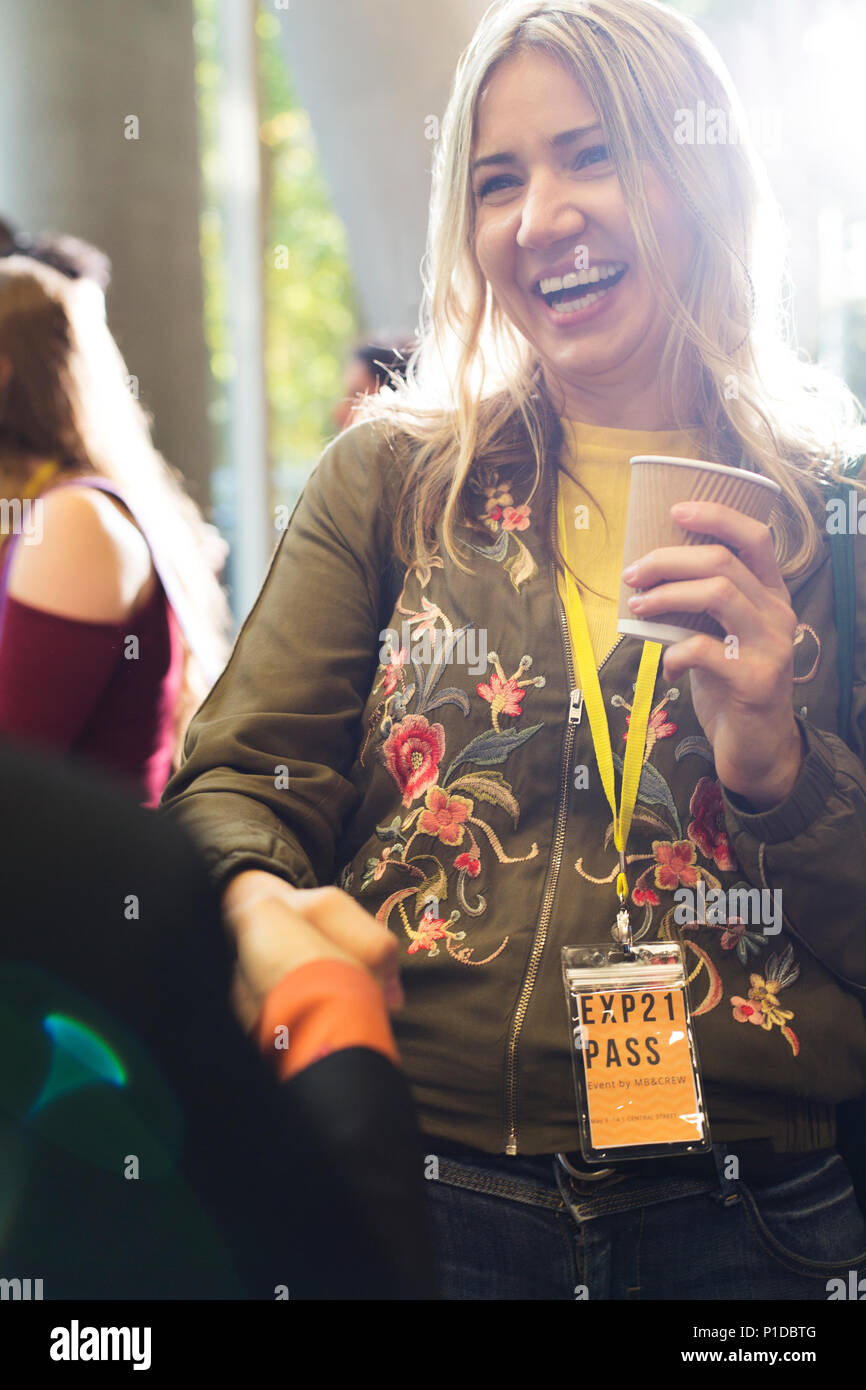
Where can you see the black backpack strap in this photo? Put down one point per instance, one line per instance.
(842, 560)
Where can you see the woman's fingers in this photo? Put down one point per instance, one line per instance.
(696, 562)
(744, 592)
(717, 596)
(752, 539)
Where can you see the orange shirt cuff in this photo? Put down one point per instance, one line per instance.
(320, 1008)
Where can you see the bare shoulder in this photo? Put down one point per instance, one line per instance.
(81, 557)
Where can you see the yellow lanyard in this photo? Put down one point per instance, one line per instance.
(591, 688)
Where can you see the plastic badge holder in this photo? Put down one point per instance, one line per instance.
(636, 1068)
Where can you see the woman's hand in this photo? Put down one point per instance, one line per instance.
(742, 688)
(279, 928)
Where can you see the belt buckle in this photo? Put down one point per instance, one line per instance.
(602, 1174)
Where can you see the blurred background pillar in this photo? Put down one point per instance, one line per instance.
(375, 79)
(98, 114)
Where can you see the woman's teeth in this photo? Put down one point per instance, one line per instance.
(568, 306)
(596, 275)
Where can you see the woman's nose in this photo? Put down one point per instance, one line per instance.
(550, 213)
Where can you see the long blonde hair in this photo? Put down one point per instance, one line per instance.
(68, 400)
(475, 396)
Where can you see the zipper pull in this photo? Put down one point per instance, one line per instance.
(575, 708)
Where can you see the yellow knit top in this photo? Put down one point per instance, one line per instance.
(595, 460)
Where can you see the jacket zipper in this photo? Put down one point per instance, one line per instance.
(575, 711)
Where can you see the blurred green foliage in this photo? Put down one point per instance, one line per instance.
(311, 309)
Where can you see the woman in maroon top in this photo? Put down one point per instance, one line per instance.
(112, 622)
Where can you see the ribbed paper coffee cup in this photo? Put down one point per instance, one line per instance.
(657, 483)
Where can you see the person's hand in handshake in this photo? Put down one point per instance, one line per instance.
(279, 928)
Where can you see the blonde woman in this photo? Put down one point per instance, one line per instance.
(112, 621)
(402, 714)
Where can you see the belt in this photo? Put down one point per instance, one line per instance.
(758, 1161)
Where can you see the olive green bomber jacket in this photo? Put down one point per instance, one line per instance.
(422, 749)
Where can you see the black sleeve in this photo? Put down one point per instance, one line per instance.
(117, 1043)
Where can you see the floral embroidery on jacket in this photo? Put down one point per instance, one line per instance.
(675, 863)
(707, 830)
(762, 1006)
(413, 750)
(503, 519)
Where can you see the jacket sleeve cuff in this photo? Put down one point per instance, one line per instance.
(251, 845)
(801, 807)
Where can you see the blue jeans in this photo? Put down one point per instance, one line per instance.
(523, 1228)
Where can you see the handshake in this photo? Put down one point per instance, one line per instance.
(278, 928)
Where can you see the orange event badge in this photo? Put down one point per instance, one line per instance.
(639, 1079)
(636, 1069)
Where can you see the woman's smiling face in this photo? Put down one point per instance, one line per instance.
(550, 202)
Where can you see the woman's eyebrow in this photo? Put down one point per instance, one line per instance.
(565, 137)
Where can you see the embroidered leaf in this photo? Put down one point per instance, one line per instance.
(441, 649)
(749, 941)
(389, 832)
(450, 696)
(402, 698)
(492, 788)
(497, 551)
(491, 747)
(792, 1038)
(369, 873)
(781, 970)
(653, 788)
(436, 886)
(521, 566)
(694, 743)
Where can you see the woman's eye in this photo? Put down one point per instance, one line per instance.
(494, 185)
(594, 154)
(601, 151)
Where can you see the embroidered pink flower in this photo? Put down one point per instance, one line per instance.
(469, 863)
(504, 696)
(659, 726)
(675, 863)
(516, 518)
(430, 930)
(744, 1012)
(707, 830)
(762, 1006)
(412, 752)
(394, 670)
(444, 816)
